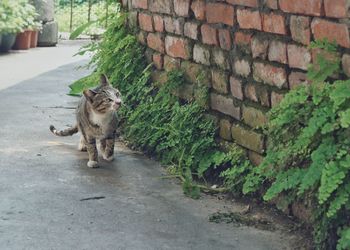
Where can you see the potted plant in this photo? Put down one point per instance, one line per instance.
(28, 14)
(10, 23)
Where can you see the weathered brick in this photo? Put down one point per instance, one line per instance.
(276, 98)
(224, 105)
(171, 63)
(141, 37)
(249, 19)
(220, 13)
(329, 56)
(250, 92)
(159, 78)
(198, 8)
(174, 25)
(255, 158)
(297, 78)
(220, 59)
(132, 19)
(209, 35)
(269, 74)
(264, 97)
(253, 117)
(225, 129)
(333, 31)
(201, 54)
(196, 72)
(141, 4)
(259, 47)
(272, 4)
(346, 64)
(158, 60)
(274, 23)
(225, 39)
(307, 7)
(177, 47)
(236, 88)
(160, 6)
(156, 42)
(191, 30)
(300, 29)
(248, 3)
(149, 55)
(145, 22)
(242, 67)
(219, 81)
(278, 51)
(158, 23)
(248, 138)
(182, 7)
(336, 8)
(298, 56)
(186, 91)
(243, 40)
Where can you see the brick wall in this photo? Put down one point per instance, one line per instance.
(251, 52)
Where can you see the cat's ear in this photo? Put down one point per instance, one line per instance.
(89, 94)
(104, 80)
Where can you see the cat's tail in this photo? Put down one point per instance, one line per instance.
(66, 132)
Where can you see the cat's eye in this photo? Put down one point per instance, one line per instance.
(110, 99)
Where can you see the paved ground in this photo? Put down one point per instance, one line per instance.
(44, 181)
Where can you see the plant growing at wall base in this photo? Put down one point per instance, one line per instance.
(308, 153)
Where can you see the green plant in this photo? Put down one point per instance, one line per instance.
(308, 153)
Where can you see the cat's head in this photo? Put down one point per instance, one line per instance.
(104, 98)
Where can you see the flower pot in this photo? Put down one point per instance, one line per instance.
(7, 41)
(34, 38)
(23, 40)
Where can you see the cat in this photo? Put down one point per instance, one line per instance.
(96, 117)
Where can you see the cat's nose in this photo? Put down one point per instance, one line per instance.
(118, 102)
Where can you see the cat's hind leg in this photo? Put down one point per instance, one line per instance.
(82, 144)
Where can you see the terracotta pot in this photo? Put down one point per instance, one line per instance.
(34, 38)
(7, 41)
(23, 40)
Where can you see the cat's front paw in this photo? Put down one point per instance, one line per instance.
(92, 164)
(108, 158)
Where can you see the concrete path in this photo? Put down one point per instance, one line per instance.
(49, 199)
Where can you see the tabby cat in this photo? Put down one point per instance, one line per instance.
(96, 116)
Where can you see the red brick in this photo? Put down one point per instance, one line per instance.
(177, 47)
(249, 19)
(198, 8)
(248, 3)
(269, 74)
(336, 8)
(307, 7)
(191, 30)
(158, 23)
(259, 47)
(276, 98)
(297, 78)
(225, 129)
(346, 64)
(333, 31)
(298, 57)
(272, 4)
(236, 88)
(158, 60)
(171, 63)
(174, 25)
(274, 23)
(225, 39)
(209, 35)
(220, 13)
(278, 52)
(145, 22)
(300, 29)
(224, 105)
(243, 39)
(242, 67)
(160, 6)
(182, 7)
(141, 4)
(155, 41)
